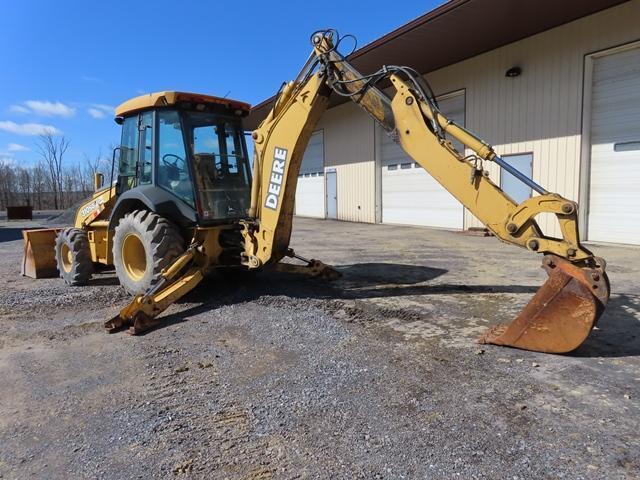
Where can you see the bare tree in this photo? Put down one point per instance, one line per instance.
(52, 150)
(107, 162)
(70, 186)
(85, 173)
(7, 183)
(24, 184)
(38, 180)
(93, 165)
(50, 183)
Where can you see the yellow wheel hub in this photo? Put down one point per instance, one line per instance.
(67, 257)
(134, 258)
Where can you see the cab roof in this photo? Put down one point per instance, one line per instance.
(168, 98)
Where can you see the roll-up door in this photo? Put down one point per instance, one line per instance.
(410, 196)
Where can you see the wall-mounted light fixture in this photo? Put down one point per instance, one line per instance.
(513, 72)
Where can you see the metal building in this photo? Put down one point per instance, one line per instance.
(554, 86)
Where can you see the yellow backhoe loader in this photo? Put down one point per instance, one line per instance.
(185, 200)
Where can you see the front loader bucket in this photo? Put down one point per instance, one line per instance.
(561, 314)
(39, 258)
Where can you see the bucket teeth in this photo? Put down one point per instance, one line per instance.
(561, 314)
(324, 271)
(140, 323)
(116, 324)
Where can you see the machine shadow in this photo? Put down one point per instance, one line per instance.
(359, 281)
(618, 332)
(9, 234)
(375, 273)
(104, 281)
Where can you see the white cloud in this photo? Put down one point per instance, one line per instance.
(105, 107)
(50, 109)
(16, 147)
(28, 128)
(100, 110)
(44, 108)
(19, 109)
(96, 113)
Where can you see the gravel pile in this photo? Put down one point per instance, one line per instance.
(66, 217)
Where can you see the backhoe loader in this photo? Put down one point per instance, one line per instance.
(185, 200)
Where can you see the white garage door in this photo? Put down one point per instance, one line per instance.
(615, 149)
(410, 196)
(310, 190)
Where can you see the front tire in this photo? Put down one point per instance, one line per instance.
(144, 244)
(73, 256)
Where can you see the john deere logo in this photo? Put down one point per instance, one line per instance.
(90, 207)
(277, 175)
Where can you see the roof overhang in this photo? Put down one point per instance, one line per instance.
(455, 31)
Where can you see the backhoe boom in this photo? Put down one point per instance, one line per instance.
(552, 321)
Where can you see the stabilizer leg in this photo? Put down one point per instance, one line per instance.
(140, 315)
(313, 268)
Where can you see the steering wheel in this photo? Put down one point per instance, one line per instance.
(173, 164)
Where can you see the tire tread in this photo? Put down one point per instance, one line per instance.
(82, 266)
(157, 233)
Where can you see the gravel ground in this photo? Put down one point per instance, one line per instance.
(376, 375)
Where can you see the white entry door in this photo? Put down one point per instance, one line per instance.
(332, 193)
(411, 196)
(614, 195)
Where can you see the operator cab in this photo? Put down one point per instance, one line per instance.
(192, 148)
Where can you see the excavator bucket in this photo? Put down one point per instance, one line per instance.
(561, 314)
(39, 258)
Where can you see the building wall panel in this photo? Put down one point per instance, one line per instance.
(350, 149)
(541, 110)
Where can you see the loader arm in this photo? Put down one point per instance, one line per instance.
(563, 312)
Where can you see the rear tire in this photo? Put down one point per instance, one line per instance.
(144, 244)
(73, 256)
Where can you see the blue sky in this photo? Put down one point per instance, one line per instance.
(68, 63)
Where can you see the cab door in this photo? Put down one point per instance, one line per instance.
(145, 149)
(136, 152)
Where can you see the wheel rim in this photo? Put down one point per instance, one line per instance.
(134, 257)
(67, 257)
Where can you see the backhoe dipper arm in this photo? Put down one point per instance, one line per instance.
(563, 311)
(414, 121)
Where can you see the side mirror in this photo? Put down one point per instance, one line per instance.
(98, 181)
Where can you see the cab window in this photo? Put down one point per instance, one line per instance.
(128, 153)
(146, 147)
(220, 165)
(173, 170)
(129, 147)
